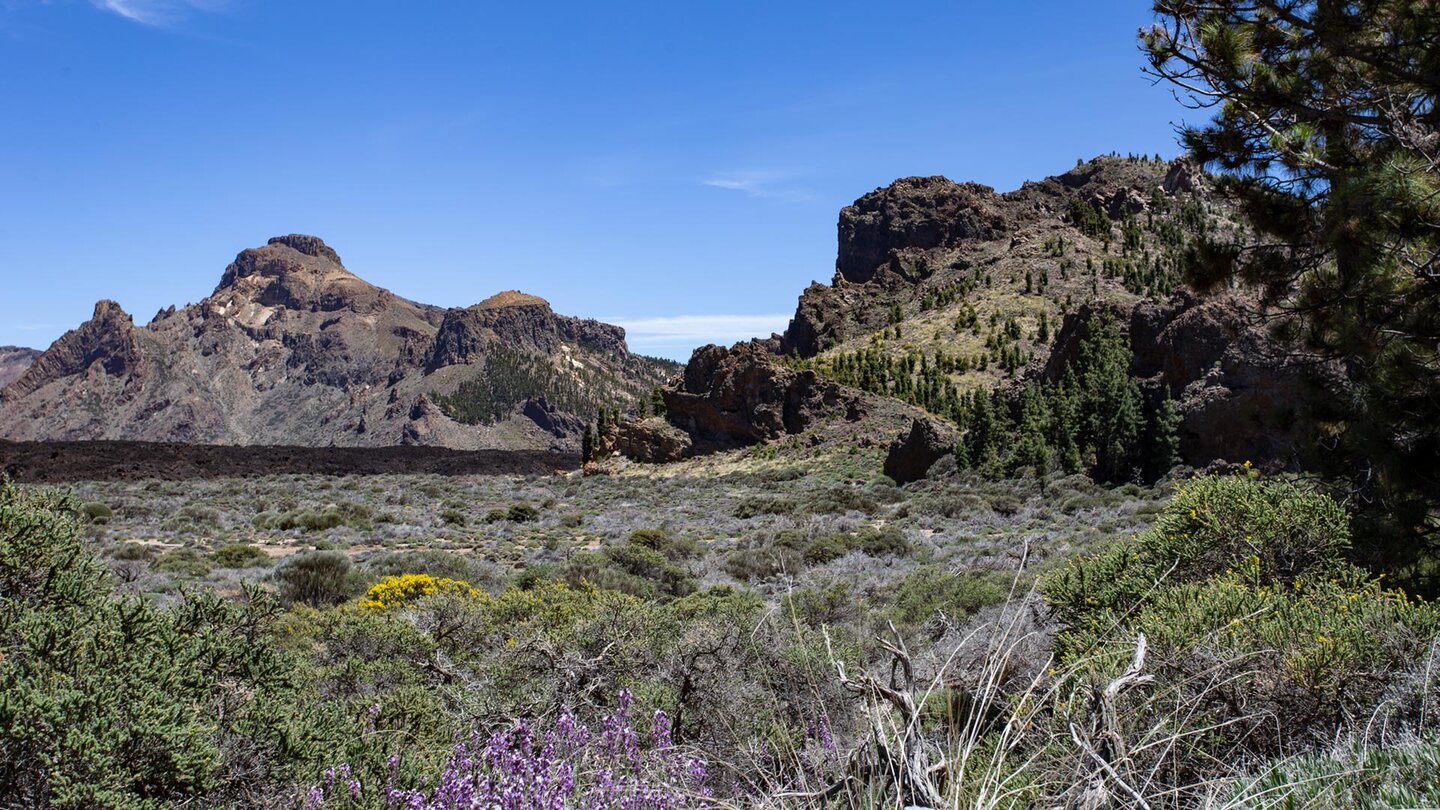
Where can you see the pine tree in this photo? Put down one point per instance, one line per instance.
(1327, 129)
(1165, 438)
(587, 445)
(1111, 403)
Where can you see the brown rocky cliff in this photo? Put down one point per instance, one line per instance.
(1240, 395)
(914, 212)
(744, 395)
(107, 341)
(294, 272)
(920, 236)
(518, 321)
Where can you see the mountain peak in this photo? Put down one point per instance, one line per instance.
(293, 272)
(309, 245)
(512, 298)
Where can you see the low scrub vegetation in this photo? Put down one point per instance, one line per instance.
(889, 655)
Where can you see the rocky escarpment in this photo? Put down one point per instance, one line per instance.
(518, 321)
(910, 216)
(745, 395)
(14, 360)
(1240, 395)
(911, 456)
(923, 240)
(943, 288)
(741, 396)
(105, 344)
(293, 349)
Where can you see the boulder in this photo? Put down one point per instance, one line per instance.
(912, 454)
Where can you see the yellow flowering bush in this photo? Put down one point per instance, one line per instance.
(398, 591)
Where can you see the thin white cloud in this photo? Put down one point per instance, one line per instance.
(675, 336)
(157, 13)
(761, 185)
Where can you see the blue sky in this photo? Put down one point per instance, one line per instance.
(675, 167)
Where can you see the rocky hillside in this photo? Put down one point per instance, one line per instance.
(945, 289)
(13, 362)
(293, 349)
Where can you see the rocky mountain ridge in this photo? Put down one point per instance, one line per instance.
(944, 288)
(293, 349)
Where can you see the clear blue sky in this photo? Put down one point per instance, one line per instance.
(628, 161)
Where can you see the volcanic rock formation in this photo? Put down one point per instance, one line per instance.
(293, 349)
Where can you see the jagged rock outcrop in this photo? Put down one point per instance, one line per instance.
(518, 321)
(918, 213)
(742, 395)
(294, 349)
(912, 455)
(1001, 288)
(106, 343)
(652, 440)
(1239, 393)
(745, 395)
(551, 419)
(14, 360)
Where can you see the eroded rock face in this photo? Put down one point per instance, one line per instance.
(742, 395)
(915, 212)
(517, 321)
(548, 418)
(912, 455)
(652, 440)
(1184, 175)
(105, 343)
(920, 237)
(1240, 396)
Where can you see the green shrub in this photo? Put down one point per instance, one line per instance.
(317, 578)
(873, 541)
(930, 591)
(954, 506)
(880, 541)
(759, 564)
(239, 555)
(133, 551)
(436, 563)
(1404, 774)
(199, 514)
(108, 702)
(183, 561)
(266, 520)
(1242, 589)
(755, 506)
(522, 513)
(674, 548)
(1211, 525)
(1005, 504)
(827, 548)
(452, 517)
(840, 500)
(97, 512)
(632, 569)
